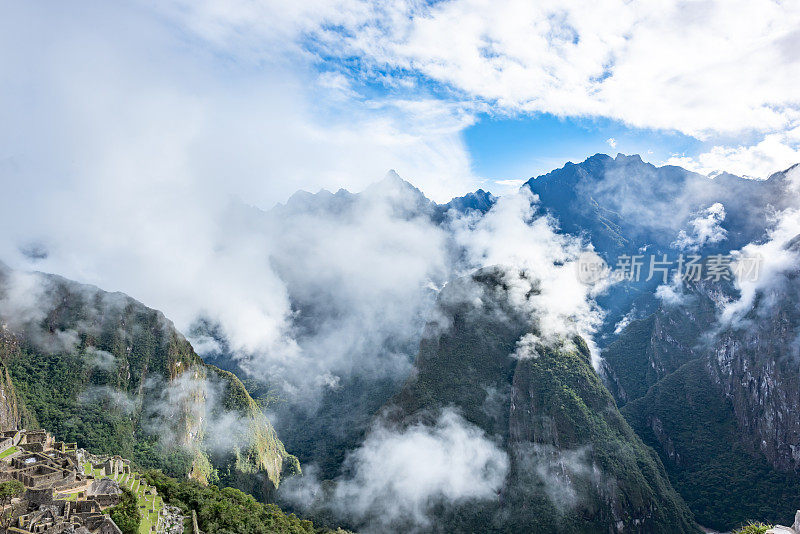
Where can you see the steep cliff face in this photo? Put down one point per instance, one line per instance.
(723, 413)
(649, 349)
(115, 376)
(10, 416)
(575, 464)
(563, 418)
(691, 424)
(756, 364)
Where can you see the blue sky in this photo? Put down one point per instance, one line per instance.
(255, 99)
(520, 148)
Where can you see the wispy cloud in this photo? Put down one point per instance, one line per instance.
(398, 476)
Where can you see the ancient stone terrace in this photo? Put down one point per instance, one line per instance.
(68, 490)
(45, 466)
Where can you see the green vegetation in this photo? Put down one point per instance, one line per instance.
(693, 428)
(575, 412)
(101, 393)
(753, 528)
(9, 490)
(628, 356)
(8, 452)
(126, 514)
(561, 416)
(147, 506)
(228, 510)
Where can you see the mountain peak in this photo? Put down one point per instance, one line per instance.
(599, 157)
(633, 158)
(479, 200)
(392, 176)
(394, 184)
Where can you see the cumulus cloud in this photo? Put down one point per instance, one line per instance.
(614, 59)
(623, 323)
(397, 476)
(775, 152)
(526, 347)
(705, 229)
(511, 235)
(671, 294)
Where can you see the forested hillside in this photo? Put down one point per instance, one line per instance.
(103, 370)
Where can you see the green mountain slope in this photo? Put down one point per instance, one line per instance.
(687, 419)
(576, 465)
(227, 510)
(651, 348)
(105, 371)
(719, 405)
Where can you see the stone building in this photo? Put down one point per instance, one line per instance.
(44, 467)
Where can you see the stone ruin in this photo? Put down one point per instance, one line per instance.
(60, 497)
(45, 466)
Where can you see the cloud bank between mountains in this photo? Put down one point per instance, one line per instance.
(333, 286)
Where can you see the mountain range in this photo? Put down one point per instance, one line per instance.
(678, 410)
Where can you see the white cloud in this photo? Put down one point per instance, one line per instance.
(127, 130)
(510, 183)
(671, 294)
(510, 236)
(398, 475)
(707, 69)
(125, 139)
(617, 59)
(775, 152)
(505, 187)
(611, 142)
(773, 259)
(705, 229)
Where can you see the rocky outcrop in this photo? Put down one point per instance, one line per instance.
(726, 417)
(756, 363)
(794, 529)
(10, 417)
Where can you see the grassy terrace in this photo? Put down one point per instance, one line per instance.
(8, 452)
(149, 506)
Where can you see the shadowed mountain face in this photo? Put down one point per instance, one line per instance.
(623, 204)
(553, 418)
(575, 464)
